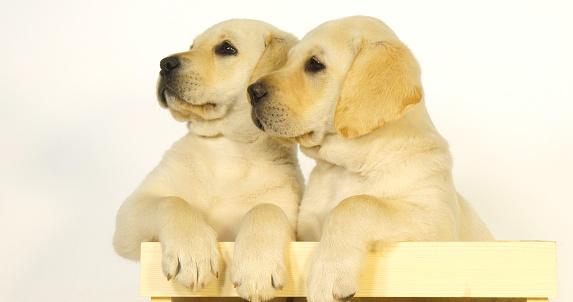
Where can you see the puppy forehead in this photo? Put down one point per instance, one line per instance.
(237, 30)
(303, 51)
(322, 44)
(331, 36)
(349, 30)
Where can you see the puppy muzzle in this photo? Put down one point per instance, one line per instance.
(257, 92)
(168, 66)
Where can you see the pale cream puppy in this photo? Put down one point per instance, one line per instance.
(225, 180)
(350, 94)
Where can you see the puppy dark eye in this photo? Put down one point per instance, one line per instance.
(226, 49)
(314, 65)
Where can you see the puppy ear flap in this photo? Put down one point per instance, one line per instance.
(382, 84)
(277, 46)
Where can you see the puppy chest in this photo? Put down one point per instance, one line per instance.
(225, 216)
(327, 188)
(227, 171)
(214, 168)
(221, 161)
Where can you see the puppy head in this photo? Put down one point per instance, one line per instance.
(207, 83)
(349, 76)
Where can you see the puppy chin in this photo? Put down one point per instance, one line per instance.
(180, 116)
(307, 139)
(184, 110)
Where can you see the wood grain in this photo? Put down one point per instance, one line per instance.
(406, 269)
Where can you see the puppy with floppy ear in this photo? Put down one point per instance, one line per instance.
(380, 87)
(350, 93)
(225, 180)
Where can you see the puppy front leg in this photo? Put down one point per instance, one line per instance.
(350, 231)
(190, 253)
(339, 258)
(258, 268)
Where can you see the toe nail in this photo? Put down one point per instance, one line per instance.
(347, 298)
(168, 277)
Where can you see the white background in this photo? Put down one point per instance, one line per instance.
(80, 126)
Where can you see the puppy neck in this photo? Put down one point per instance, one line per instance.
(219, 128)
(413, 132)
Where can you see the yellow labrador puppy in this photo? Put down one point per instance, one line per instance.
(225, 180)
(351, 95)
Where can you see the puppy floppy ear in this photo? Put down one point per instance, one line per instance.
(382, 84)
(277, 45)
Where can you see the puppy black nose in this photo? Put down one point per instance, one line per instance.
(168, 65)
(256, 92)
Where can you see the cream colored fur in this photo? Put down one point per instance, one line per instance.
(383, 172)
(225, 180)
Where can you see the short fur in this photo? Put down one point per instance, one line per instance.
(225, 180)
(383, 172)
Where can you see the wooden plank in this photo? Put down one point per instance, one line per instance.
(161, 299)
(406, 269)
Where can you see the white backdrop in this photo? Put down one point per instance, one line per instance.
(80, 126)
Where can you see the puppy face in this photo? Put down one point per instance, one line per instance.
(208, 82)
(349, 76)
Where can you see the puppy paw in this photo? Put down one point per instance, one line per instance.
(333, 276)
(191, 259)
(258, 268)
(258, 273)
